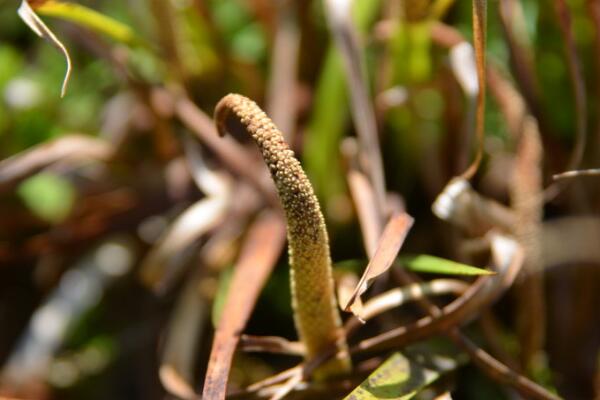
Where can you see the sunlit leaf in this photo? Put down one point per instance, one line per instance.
(399, 378)
(89, 18)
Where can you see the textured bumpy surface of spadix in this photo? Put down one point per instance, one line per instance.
(315, 313)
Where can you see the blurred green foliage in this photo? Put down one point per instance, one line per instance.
(226, 45)
(48, 196)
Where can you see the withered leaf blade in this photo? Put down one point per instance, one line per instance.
(577, 173)
(479, 37)
(68, 147)
(577, 81)
(346, 38)
(364, 199)
(259, 254)
(37, 25)
(389, 245)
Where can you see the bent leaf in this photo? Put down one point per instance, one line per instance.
(390, 242)
(37, 25)
(436, 265)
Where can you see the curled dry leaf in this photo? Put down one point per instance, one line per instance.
(459, 204)
(389, 245)
(37, 25)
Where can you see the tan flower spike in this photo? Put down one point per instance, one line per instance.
(315, 310)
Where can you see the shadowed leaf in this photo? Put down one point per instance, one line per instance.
(399, 378)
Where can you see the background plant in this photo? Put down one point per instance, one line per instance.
(129, 232)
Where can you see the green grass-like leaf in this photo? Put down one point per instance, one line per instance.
(89, 18)
(436, 265)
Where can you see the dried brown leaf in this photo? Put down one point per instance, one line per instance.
(75, 146)
(345, 282)
(526, 192)
(259, 253)
(479, 38)
(364, 201)
(577, 173)
(576, 75)
(281, 99)
(271, 344)
(521, 52)
(179, 353)
(389, 245)
(339, 17)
